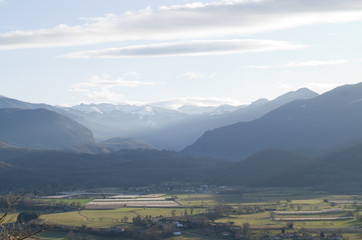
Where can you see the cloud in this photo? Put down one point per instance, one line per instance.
(311, 63)
(189, 48)
(316, 63)
(196, 101)
(134, 75)
(105, 82)
(196, 75)
(190, 21)
(103, 95)
(100, 88)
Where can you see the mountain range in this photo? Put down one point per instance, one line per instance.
(336, 171)
(181, 133)
(53, 171)
(44, 129)
(156, 123)
(117, 144)
(314, 126)
(300, 139)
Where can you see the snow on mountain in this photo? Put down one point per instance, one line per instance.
(210, 110)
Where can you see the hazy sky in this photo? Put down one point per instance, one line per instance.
(206, 52)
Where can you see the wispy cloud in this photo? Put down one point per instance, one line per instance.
(311, 63)
(105, 81)
(196, 75)
(189, 48)
(103, 95)
(101, 88)
(190, 21)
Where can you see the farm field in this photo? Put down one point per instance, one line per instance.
(267, 212)
(80, 201)
(9, 218)
(111, 218)
(52, 235)
(113, 202)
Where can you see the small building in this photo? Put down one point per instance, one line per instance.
(179, 225)
(225, 234)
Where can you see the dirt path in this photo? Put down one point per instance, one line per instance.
(80, 214)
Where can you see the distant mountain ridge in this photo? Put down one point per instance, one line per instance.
(273, 167)
(44, 129)
(4, 145)
(118, 144)
(160, 127)
(54, 171)
(50, 171)
(6, 102)
(329, 121)
(336, 171)
(182, 133)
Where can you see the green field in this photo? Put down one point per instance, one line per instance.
(289, 203)
(9, 218)
(53, 235)
(111, 218)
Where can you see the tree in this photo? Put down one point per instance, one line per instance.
(222, 209)
(173, 213)
(21, 229)
(27, 216)
(246, 231)
(70, 235)
(89, 237)
(191, 210)
(272, 215)
(289, 225)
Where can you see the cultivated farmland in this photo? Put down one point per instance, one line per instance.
(132, 201)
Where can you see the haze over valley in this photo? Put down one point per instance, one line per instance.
(181, 119)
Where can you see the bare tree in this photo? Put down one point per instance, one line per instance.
(13, 230)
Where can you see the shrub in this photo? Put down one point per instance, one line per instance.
(27, 216)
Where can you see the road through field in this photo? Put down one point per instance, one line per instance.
(80, 214)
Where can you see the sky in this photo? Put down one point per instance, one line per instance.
(209, 52)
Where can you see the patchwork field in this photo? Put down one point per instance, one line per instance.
(154, 200)
(268, 212)
(112, 218)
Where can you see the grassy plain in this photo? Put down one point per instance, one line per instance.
(112, 218)
(278, 199)
(10, 218)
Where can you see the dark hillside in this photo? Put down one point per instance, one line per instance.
(337, 171)
(44, 129)
(117, 144)
(53, 171)
(270, 167)
(330, 121)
